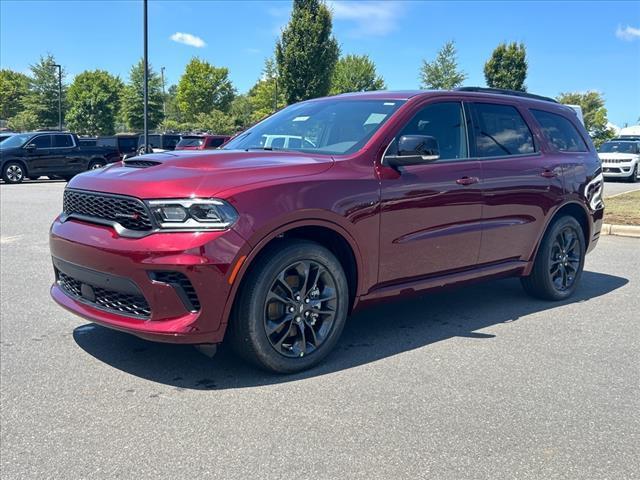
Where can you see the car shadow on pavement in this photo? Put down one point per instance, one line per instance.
(372, 334)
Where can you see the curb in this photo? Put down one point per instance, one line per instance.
(621, 230)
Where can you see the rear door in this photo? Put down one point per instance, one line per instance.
(66, 156)
(520, 183)
(431, 215)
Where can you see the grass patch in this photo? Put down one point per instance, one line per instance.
(623, 209)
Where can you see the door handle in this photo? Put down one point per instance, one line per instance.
(467, 180)
(548, 173)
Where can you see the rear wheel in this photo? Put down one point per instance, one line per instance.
(292, 308)
(558, 265)
(96, 164)
(13, 172)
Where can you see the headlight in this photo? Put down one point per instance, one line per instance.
(193, 214)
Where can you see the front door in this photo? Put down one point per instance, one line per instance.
(431, 213)
(38, 156)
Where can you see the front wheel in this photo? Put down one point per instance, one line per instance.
(634, 175)
(13, 172)
(558, 265)
(292, 308)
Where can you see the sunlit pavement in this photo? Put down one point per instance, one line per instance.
(480, 382)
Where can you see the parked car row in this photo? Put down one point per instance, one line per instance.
(63, 155)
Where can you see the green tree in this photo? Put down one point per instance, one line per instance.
(307, 52)
(507, 67)
(355, 73)
(14, 87)
(266, 96)
(593, 112)
(42, 100)
(93, 101)
(241, 112)
(203, 88)
(442, 73)
(23, 121)
(215, 122)
(132, 100)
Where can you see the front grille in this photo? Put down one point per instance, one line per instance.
(183, 286)
(140, 163)
(118, 302)
(129, 212)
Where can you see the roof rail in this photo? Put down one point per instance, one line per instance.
(504, 91)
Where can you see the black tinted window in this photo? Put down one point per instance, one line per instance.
(62, 141)
(170, 142)
(445, 122)
(128, 144)
(216, 142)
(500, 130)
(106, 142)
(560, 132)
(42, 141)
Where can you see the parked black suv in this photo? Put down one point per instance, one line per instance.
(54, 154)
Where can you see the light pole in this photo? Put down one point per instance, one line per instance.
(146, 81)
(164, 109)
(59, 95)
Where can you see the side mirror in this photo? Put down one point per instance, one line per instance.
(30, 147)
(415, 150)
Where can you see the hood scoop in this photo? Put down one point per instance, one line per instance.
(138, 163)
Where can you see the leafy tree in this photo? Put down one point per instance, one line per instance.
(267, 95)
(593, 112)
(306, 52)
(14, 87)
(93, 101)
(203, 88)
(442, 73)
(507, 67)
(171, 104)
(23, 121)
(215, 122)
(42, 100)
(241, 112)
(355, 73)
(132, 100)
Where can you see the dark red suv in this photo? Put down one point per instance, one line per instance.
(373, 195)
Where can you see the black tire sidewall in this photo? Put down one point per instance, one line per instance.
(93, 164)
(5, 177)
(544, 257)
(250, 335)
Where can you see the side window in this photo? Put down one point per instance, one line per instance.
(62, 141)
(500, 130)
(216, 142)
(445, 122)
(42, 141)
(560, 132)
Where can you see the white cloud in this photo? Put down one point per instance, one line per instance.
(628, 33)
(371, 17)
(188, 39)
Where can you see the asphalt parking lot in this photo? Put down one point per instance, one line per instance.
(480, 382)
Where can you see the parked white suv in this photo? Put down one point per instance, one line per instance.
(620, 159)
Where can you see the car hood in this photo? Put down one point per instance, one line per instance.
(189, 173)
(617, 156)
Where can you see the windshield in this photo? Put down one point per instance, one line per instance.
(618, 147)
(328, 126)
(190, 142)
(16, 141)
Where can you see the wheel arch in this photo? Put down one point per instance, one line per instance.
(574, 209)
(16, 160)
(328, 234)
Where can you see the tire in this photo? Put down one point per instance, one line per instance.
(633, 178)
(141, 151)
(13, 172)
(558, 266)
(275, 328)
(95, 164)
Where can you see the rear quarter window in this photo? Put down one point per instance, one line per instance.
(561, 134)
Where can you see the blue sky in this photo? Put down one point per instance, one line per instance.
(571, 46)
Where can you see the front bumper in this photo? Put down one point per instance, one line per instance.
(128, 269)
(617, 170)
